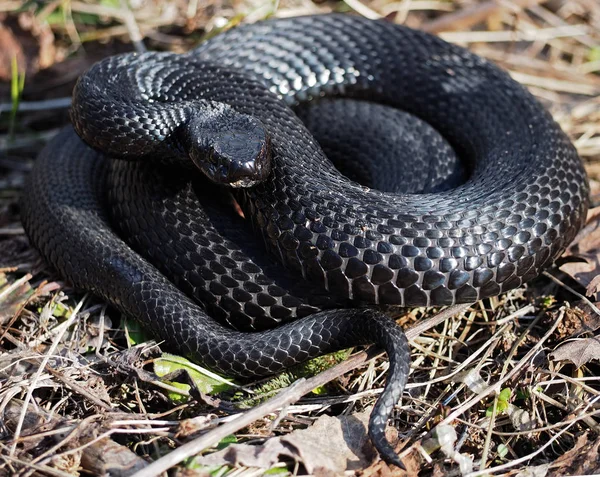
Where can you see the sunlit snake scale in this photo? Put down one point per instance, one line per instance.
(524, 200)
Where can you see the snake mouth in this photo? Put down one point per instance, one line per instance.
(250, 173)
(246, 168)
(230, 148)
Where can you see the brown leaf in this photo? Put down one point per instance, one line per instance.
(585, 250)
(106, 457)
(579, 320)
(582, 459)
(330, 446)
(578, 351)
(29, 41)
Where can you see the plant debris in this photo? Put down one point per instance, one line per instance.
(496, 388)
(579, 352)
(333, 444)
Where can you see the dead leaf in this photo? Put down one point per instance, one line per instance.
(26, 39)
(585, 251)
(578, 351)
(579, 320)
(330, 446)
(106, 457)
(582, 459)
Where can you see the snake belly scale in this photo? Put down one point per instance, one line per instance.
(143, 234)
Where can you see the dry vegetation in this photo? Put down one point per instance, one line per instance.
(507, 386)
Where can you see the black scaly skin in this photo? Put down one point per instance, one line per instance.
(525, 199)
(360, 138)
(65, 215)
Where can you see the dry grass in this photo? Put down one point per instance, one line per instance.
(73, 393)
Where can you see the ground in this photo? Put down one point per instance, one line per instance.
(507, 386)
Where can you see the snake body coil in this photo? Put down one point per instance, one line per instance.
(524, 200)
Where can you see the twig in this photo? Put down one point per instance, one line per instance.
(12, 231)
(69, 383)
(45, 105)
(443, 315)
(549, 427)
(134, 30)
(402, 9)
(540, 34)
(553, 84)
(467, 17)
(74, 431)
(362, 9)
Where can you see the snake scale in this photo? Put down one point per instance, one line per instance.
(251, 296)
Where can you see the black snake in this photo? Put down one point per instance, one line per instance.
(229, 107)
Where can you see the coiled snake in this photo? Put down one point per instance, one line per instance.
(229, 107)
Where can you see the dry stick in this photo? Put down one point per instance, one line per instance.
(580, 382)
(45, 105)
(550, 427)
(9, 231)
(285, 397)
(555, 20)
(443, 315)
(555, 85)
(466, 18)
(541, 34)
(145, 28)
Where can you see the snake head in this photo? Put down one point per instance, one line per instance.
(230, 148)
